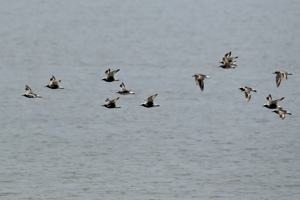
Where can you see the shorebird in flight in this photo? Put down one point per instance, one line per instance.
(149, 102)
(123, 90)
(109, 75)
(54, 84)
(111, 103)
(247, 91)
(29, 94)
(199, 79)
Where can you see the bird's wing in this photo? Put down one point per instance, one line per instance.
(28, 90)
(278, 79)
(114, 100)
(248, 96)
(151, 98)
(112, 73)
(201, 84)
(269, 98)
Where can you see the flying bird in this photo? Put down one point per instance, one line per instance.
(228, 58)
(29, 94)
(272, 104)
(54, 84)
(226, 64)
(111, 103)
(247, 91)
(123, 90)
(281, 75)
(199, 79)
(109, 75)
(149, 102)
(279, 110)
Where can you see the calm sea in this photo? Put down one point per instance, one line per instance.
(196, 145)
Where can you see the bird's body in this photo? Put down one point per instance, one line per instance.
(247, 91)
(228, 62)
(272, 104)
(123, 90)
(54, 84)
(229, 58)
(149, 102)
(199, 79)
(110, 75)
(111, 103)
(279, 110)
(281, 75)
(29, 94)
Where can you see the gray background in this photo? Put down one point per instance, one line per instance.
(196, 145)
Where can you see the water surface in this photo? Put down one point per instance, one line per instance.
(196, 145)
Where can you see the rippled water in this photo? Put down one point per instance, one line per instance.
(196, 145)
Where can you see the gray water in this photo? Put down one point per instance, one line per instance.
(196, 145)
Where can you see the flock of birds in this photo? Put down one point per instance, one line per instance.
(54, 84)
(109, 77)
(227, 62)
